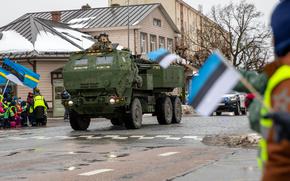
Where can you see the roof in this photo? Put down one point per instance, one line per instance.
(105, 16)
(31, 34)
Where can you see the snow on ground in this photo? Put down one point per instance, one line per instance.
(14, 42)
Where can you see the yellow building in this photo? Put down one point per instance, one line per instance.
(186, 18)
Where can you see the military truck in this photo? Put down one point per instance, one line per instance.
(113, 84)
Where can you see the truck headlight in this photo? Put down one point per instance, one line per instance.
(70, 103)
(112, 101)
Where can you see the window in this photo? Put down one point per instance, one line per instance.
(143, 41)
(161, 42)
(104, 60)
(170, 44)
(81, 62)
(156, 22)
(153, 42)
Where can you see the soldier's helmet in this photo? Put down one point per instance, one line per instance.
(103, 37)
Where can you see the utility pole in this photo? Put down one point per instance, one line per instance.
(128, 9)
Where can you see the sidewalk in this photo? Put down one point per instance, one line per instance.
(240, 166)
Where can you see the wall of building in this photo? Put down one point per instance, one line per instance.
(119, 36)
(187, 19)
(43, 68)
(147, 27)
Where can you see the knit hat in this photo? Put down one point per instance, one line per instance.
(280, 23)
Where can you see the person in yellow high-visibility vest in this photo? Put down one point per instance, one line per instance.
(39, 106)
(274, 121)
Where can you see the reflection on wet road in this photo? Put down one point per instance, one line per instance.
(105, 152)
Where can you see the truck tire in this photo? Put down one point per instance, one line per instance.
(164, 110)
(134, 118)
(244, 111)
(77, 122)
(177, 110)
(117, 122)
(218, 113)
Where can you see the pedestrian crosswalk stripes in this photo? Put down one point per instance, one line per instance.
(98, 137)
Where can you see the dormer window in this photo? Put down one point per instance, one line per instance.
(156, 22)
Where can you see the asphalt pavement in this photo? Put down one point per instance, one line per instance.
(106, 152)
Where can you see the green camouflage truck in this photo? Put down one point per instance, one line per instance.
(114, 85)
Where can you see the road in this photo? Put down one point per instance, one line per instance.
(105, 152)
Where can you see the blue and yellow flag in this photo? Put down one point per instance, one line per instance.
(3, 78)
(25, 75)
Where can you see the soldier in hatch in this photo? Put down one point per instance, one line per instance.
(103, 43)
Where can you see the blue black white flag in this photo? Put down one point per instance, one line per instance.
(26, 76)
(8, 76)
(163, 57)
(216, 78)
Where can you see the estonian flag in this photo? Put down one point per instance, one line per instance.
(7, 75)
(162, 56)
(215, 78)
(25, 75)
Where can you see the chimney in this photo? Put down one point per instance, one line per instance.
(86, 7)
(200, 8)
(56, 16)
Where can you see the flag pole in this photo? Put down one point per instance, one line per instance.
(5, 87)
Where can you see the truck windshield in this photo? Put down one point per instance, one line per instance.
(81, 62)
(104, 60)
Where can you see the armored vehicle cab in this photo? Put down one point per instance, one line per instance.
(114, 85)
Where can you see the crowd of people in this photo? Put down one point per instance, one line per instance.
(15, 112)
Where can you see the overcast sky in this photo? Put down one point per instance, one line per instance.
(12, 9)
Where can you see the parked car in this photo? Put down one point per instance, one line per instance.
(232, 102)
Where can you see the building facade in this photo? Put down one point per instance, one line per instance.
(150, 27)
(186, 18)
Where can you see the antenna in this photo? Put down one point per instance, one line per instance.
(128, 8)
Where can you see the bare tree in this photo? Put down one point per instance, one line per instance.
(235, 30)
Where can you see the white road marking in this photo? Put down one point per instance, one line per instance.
(65, 137)
(120, 138)
(95, 138)
(137, 136)
(168, 154)
(87, 137)
(40, 137)
(173, 138)
(71, 168)
(17, 138)
(198, 138)
(95, 172)
(162, 136)
(111, 136)
(146, 138)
